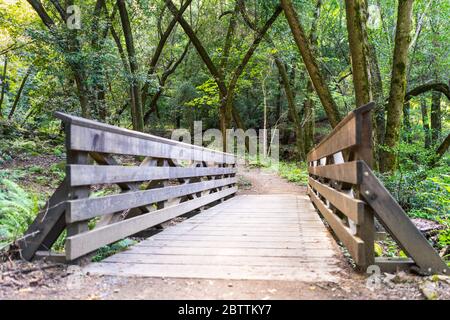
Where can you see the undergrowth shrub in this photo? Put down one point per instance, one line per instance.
(421, 194)
(18, 209)
(294, 172)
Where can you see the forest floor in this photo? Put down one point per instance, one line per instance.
(40, 280)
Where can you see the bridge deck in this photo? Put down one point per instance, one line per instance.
(254, 237)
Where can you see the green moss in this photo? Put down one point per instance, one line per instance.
(401, 67)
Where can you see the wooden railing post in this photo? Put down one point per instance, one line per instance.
(80, 192)
(363, 151)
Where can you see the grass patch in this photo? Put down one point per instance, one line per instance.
(295, 172)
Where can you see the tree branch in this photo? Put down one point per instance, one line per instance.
(435, 86)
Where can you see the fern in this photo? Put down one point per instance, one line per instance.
(18, 208)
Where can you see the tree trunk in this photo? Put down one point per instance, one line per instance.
(3, 79)
(440, 151)
(398, 84)
(356, 20)
(435, 117)
(136, 106)
(378, 97)
(311, 64)
(158, 51)
(241, 67)
(278, 100)
(425, 123)
(433, 86)
(407, 121)
(292, 109)
(19, 92)
(308, 105)
(153, 106)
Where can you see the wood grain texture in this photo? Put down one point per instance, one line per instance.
(87, 175)
(349, 172)
(216, 244)
(354, 244)
(114, 131)
(352, 208)
(96, 140)
(345, 135)
(81, 244)
(83, 209)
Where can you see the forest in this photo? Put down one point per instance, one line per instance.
(299, 66)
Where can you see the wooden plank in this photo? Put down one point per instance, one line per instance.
(213, 272)
(87, 175)
(349, 172)
(238, 242)
(83, 209)
(79, 245)
(78, 122)
(189, 260)
(354, 245)
(247, 252)
(344, 135)
(108, 160)
(82, 192)
(352, 208)
(49, 256)
(48, 224)
(96, 140)
(399, 226)
(393, 265)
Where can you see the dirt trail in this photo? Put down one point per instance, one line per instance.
(70, 283)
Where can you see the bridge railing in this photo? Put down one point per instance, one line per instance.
(334, 168)
(144, 180)
(349, 196)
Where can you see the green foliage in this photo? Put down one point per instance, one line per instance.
(444, 235)
(294, 172)
(422, 197)
(111, 249)
(18, 209)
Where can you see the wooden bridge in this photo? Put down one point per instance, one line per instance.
(139, 181)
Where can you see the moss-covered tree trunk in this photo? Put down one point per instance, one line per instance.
(311, 64)
(378, 97)
(3, 79)
(398, 84)
(425, 122)
(435, 116)
(308, 105)
(357, 37)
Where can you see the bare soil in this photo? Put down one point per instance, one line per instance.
(41, 280)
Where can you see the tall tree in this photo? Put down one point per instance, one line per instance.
(3, 79)
(226, 92)
(311, 64)
(284, 80)
(436, 123)
(136, 101)
(19, 92)
(425, 122)
(398, 84)
(308, 105)
(358, 43)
